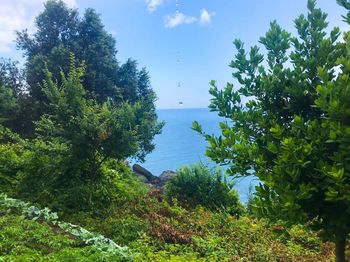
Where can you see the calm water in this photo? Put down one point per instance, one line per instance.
(179, 145)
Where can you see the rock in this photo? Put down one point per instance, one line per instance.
(166, 175)
(141, 171)
(142, 178)
(150, 179)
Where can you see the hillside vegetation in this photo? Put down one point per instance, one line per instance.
(74, 115)
(153, 230)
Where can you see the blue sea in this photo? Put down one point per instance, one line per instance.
(179, 145)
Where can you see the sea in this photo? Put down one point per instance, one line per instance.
(179, 145)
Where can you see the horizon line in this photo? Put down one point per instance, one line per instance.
(170, 108)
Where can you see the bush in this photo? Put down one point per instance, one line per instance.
(200, 185)
(36, 171)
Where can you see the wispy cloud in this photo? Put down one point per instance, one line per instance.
(205, 17)
(152, 5)
(17, 15)
(178, 18)
(171, 21)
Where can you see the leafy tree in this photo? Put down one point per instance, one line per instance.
(77, 138)
(60, 32)
(97, 49)
(74, 162)
(137, 89)
(128, 77)
(289, 124)
(50, 46)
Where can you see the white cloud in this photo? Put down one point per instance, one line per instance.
(171, 21)
(205, 17)
(152, 5)
(178, 18)
(18, 15)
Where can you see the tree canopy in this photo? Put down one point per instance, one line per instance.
(71, 118)
(60, 33)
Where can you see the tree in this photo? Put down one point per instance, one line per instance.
(75, 141)
(128, 77)
(289, 124)
(137, 89)
(97, 49)
(50, 46)
(61, 32)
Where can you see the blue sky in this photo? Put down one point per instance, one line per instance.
(147, 31)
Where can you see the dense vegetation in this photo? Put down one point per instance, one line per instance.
(153, 230)
(73, 115)
(60, 32)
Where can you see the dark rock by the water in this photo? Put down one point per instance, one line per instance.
(139, 170)
(166, 175)
(150, 179)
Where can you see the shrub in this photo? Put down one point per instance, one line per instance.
(200, 185)
(36, 171)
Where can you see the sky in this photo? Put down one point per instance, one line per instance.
(192, 46)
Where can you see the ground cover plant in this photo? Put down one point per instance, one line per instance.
(50, 239)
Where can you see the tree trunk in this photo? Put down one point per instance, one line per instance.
(340, 250)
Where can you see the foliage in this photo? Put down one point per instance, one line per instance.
(222, 237)
(97, 241)
(60, 32)
(154, 229)
(11, 76)
(33, 170)
(289, 124)
(92, 130)
(74, 158)
(168, 232)
(8, 105)
(13, 102)
(199, 185)
(12, 155)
